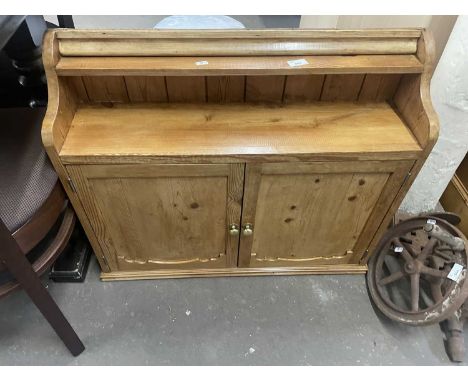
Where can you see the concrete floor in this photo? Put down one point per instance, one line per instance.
(303, 320)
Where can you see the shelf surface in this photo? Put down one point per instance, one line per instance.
(237, 130)
(88, 66)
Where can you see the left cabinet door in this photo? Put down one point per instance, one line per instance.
(150, 217)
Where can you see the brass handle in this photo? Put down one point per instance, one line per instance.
(248, 229)
(233, 229)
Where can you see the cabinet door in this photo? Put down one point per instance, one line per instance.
(306, 214)
(149, 217)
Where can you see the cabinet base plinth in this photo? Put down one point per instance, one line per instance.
(166, 274)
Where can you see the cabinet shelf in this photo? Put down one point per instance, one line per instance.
(268, 65)
(237, 131)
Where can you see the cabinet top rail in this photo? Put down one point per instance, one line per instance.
(236, 42)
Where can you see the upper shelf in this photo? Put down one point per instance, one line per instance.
(89, 66)
(241, 130)
(236, 52)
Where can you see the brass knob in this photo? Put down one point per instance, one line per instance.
(233, 229)
(248, 229)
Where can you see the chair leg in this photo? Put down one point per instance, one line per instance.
(21, 269)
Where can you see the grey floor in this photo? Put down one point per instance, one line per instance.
(279, 320)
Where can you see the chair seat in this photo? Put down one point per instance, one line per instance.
(26, 174)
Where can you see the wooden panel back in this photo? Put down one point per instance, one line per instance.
(106, 89)
(146, 89)
(303, 88)
(186, 89)
(379, 87)
(264, 88)
(225, 89)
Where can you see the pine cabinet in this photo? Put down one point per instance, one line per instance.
(311, 213)
(237, 152)
(189, 216)
(163, 216)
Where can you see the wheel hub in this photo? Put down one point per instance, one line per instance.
(411, 267)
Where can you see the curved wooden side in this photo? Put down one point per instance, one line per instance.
(413, 103)
(427, 56)
(60, 112)
(413, 100)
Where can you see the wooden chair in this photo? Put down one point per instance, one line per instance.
(36, 221)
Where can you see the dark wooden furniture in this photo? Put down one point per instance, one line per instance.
(455, 196)
(36, 220)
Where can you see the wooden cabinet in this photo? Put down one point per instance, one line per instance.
(250, 163)
(190, 216)
(455, 196)
(163, 216)
(314, 212)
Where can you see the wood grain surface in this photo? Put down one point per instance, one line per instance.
(186, 66)
(312, 213)
(156, 217)
(316, 157)
(231, 129)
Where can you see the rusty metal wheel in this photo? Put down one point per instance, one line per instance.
(407, 275)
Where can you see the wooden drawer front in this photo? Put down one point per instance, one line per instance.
(162, 216)
(306, 214)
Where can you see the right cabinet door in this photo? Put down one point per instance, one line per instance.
(314, 213)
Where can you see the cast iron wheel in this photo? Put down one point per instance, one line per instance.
(407, 275)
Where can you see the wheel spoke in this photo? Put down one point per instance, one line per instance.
(391, 278)
(429, 247)
(408, 247)
(415, 292)
(445, 256)
(406, 255)
(434, 272)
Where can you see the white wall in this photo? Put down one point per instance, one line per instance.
(356, 22)
(449, 89)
